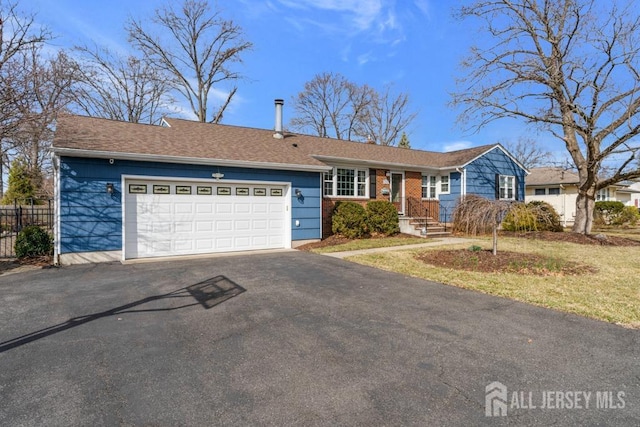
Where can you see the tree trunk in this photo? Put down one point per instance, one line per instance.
(585, 205)
(495, 239)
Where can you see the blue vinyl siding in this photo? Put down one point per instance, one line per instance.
(481, 180)
(481, 174)
(449, 201)
(91, 219)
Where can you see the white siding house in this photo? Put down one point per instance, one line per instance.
(559, 188)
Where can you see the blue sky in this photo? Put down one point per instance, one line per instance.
(415, 44)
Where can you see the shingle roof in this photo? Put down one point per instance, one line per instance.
(551, 175)
(184, 138)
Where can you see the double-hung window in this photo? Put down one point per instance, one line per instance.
(444, 184)
(327, 183)
(429, 187)
(507, 187)
(603, 195)
(345, 182)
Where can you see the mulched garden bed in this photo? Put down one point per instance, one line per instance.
(13, 264)
(581, 239)
(504, 262)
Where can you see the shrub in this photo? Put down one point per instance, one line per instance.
(519, 218)
(382, 217)
(349, 219)
(477, 215)
(628, 217)
(547, 219)
(607, 212)
(33, 241)
(533, 216)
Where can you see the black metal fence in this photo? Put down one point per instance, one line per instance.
(14, 218)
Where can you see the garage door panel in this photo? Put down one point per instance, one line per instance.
(259, 224)
(260, 208)
(224, 225)
(231, 218)
(243, 208)
(184, 227)
(204, 226)
(223, 208)
(204, 208)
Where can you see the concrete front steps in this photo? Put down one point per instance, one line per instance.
(415, 226)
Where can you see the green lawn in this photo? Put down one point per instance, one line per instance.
(611, 294)
(386, 242)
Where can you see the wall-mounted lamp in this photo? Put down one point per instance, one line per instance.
(217, 175)
(298, 193)
(109, 188)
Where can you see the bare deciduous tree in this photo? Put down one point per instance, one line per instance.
(197, 48)
(332, 106)
(570, 66)
(387, 116)
(528, 152)
(114, 87)
(19, 33)
(48, 83)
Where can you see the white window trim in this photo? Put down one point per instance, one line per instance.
(439, 187)
(334, 190)
(513, 192)
(429, 187)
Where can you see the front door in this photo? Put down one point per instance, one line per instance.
(397, 191)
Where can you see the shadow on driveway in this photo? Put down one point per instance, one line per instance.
(208, 294)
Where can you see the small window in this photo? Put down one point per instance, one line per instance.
(161, 189)
(259, 191)
(507, 187)
(554, 191)
(242, 191)
(539, 192)
(429, 187)
(183, 189)
(603, 195)
(137, 188)
(327, 182)
(444, 184)
(204, 191)
(362, 183)
(223, 191)
(277, 192)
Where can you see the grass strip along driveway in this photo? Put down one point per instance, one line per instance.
(606, 288)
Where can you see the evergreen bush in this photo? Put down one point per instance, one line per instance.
(33, 241)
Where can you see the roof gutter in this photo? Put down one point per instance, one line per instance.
(378, 164)
(73, 152)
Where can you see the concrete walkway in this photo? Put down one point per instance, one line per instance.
(438, 242)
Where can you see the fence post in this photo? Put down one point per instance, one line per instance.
(18, 210)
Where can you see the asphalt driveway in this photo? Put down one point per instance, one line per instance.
(295, 338)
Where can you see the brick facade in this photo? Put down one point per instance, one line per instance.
(412, 187)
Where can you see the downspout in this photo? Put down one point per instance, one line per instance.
(55, 160)
(463, 181)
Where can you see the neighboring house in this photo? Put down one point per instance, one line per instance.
(559, 188)
(128, 190)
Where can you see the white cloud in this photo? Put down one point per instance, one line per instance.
(457, 145)
(365, 57)
(424, 6)
(361, 13)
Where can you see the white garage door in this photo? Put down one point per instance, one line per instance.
(165, 218)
